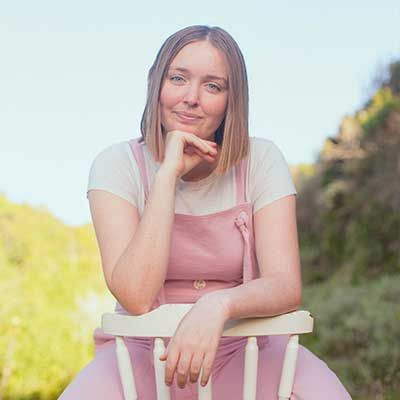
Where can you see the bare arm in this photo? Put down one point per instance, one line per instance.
(134, 274)
(141, 269)
(134, 251)
(278, 290)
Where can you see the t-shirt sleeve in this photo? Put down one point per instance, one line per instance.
(115, 171)
(270, 176)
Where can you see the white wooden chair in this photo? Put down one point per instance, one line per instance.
(163, 321)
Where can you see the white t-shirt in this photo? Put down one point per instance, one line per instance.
(115, 170)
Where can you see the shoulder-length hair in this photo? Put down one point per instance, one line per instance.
(232, 134)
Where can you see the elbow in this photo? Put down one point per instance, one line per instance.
(136, 310)
(134, 305)
(296, 300)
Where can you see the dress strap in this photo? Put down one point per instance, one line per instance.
(242, 222)
(137, 150)
(242, 219)
(241, 177)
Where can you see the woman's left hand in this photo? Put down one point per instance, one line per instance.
(195, 341)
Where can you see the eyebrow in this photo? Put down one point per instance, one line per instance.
(218, 78)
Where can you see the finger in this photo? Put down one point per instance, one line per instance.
(210, 142)
(183, 368)
(170, 366)
(190, 149)
(195, 366)
(211, 147)
(207, 366)
(208, 157)
(164, 356)
(200, 143)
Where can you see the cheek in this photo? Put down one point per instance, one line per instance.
(215, 107)
(168, 98)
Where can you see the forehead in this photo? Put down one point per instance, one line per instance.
(201, 57)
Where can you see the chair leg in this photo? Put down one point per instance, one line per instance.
(250, 369)
(125, 370)
(289, 368)
(159, 368)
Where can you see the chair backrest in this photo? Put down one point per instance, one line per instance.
(163, 321)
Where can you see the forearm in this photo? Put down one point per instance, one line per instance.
(140, 272)
(262, 297)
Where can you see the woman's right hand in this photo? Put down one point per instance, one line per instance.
(184, 150)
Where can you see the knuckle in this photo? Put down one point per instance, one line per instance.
(196, 367)
(190, 344)
(170, 361)
(194, 375)
(202, 348)
(186, 345)
(206, 369)
(170, 368)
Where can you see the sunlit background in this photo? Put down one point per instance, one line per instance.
(73, 79)
(324, 86)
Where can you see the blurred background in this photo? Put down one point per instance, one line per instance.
(324, 86)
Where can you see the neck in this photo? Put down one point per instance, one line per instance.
(201, 171)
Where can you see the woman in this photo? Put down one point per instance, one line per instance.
(198, 212)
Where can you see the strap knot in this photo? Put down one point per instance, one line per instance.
(241, 222)
(242, 219)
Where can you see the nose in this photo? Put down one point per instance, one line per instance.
(191, 97)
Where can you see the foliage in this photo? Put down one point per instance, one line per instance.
(348, 210)
(356, 332)
(374, 116)
(49, 277)
(52, 291)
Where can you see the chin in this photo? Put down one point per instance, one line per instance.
(189, 129)
(183, 127)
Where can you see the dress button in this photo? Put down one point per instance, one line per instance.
(199, 283)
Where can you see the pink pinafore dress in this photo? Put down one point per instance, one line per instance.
(208, 252)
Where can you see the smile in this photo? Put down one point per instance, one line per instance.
(185, 118)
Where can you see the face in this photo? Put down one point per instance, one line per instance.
(194, 93)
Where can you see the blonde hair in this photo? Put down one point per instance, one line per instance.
(233, 133)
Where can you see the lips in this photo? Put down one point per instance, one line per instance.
(187, 115)
(187, 119)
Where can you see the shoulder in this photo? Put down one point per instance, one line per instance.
(115, 170)
(112, 158)
(261, 145)
(269, 176)
(113, 152)
(263, 150)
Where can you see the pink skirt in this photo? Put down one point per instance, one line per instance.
(100, 378)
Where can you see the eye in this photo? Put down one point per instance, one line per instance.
(214, 87)
(176, 78)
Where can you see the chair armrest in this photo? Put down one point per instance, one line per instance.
(163, 321)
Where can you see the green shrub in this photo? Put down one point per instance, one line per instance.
(357, 331)
(51, 291)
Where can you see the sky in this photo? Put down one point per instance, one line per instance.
(73, 79)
